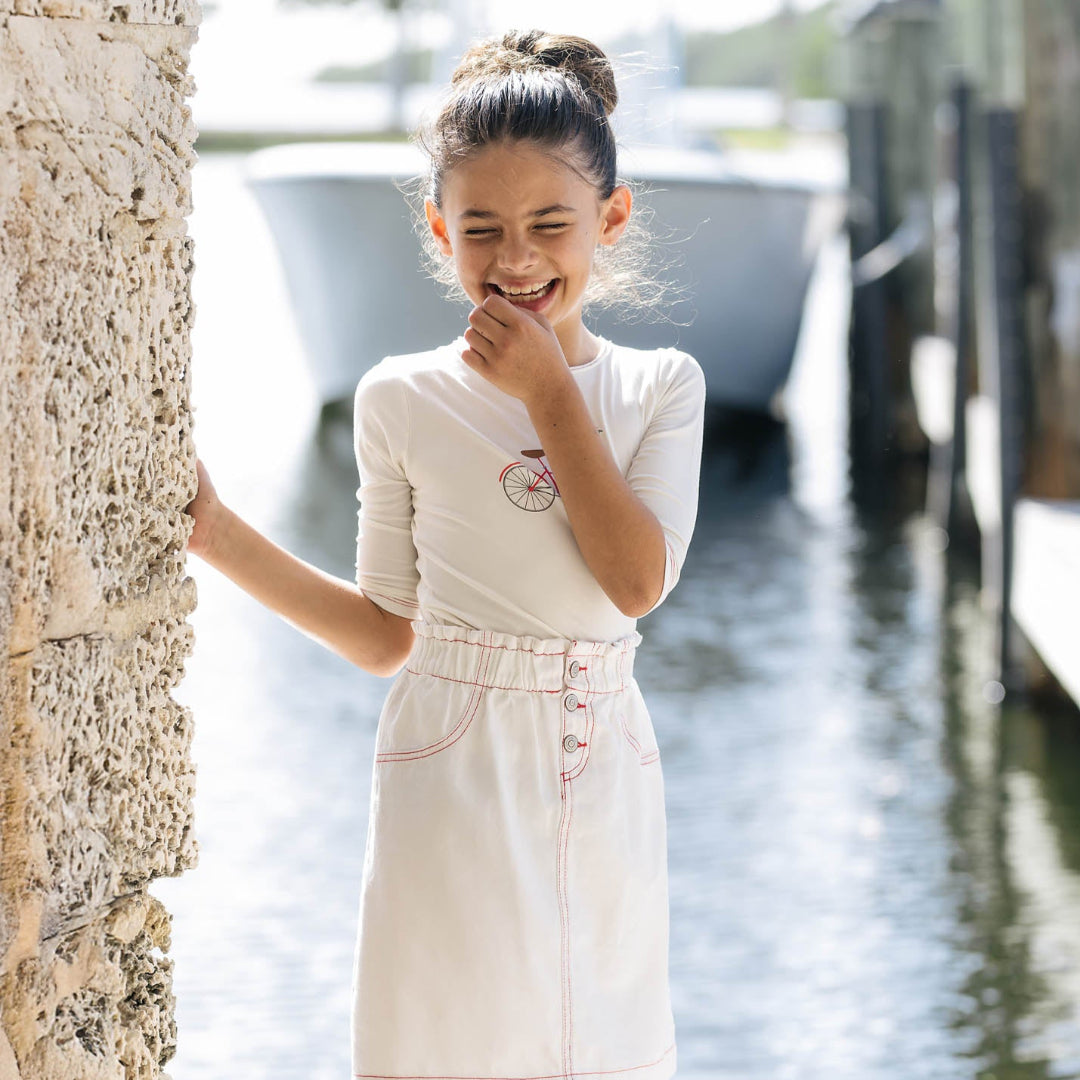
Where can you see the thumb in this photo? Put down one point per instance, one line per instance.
(537, 317)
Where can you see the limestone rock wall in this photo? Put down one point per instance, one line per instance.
(96, 466)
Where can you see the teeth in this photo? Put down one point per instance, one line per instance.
(533, 291)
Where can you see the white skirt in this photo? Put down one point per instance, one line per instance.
(514, 900)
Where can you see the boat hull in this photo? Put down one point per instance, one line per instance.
(741, 252)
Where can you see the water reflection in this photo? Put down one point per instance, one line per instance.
(1014, 817)
(875, 872)
(824, 705)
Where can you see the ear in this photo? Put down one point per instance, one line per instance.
(614, 215)
(437, 224)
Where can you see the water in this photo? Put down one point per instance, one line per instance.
(875, 871)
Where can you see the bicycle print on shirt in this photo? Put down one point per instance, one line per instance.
(528, 489)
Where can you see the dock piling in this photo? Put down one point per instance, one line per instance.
(868, 225)
(1003, 364)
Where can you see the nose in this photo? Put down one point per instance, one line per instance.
(516, 252)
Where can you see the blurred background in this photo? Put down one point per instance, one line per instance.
(864, 686)
(343, 67)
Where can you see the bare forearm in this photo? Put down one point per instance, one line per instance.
(619, 537)
(331, 610)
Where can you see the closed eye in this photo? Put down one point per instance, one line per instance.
(487, 232)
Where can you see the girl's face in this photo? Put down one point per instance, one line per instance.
(520, 223)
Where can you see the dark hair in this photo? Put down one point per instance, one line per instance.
(554, 90)
(557, 91)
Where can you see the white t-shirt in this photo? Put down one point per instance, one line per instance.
(460, 522)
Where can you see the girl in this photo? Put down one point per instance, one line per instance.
(526, 493)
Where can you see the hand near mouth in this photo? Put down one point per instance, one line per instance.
(515, 349)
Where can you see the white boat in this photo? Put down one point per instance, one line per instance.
(746, 231)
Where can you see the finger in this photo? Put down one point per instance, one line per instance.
(203, 486)
(500, 309)
(486, 323)
(477, 342)
(474, 360)
(537, 317)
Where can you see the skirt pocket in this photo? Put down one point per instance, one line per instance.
(640, 737)
(423, 716)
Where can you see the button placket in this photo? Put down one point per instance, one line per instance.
(571, 743)
(574, 668)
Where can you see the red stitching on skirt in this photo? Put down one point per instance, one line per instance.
(484, 686)
(564, 915)
(623, 647)
(459, 729)
(644, 759)
(491, 686)
(545, 1076)
(589, 719)
(481, 645)
(569, 941)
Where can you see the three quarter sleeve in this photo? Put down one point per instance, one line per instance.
(385, 553)
(665, 470)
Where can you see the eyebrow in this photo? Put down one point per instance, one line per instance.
(555, 208)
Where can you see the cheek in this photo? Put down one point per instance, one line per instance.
(470, 272)
(466, 261)
(581, 257)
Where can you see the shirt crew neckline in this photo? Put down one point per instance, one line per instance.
(605, 351)
(606, 348)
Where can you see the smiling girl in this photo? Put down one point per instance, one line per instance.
(527, 492)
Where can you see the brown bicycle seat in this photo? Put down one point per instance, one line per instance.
(532, 453)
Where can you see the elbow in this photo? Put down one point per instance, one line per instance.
(376, 640)
(388, 663)
(383, 670)
(636, 610)
(639, 583)
(634, 602)
(384, 652)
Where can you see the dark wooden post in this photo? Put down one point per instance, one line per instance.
(869, 420)
(960, 515)
(893, 86)
(1004, 372)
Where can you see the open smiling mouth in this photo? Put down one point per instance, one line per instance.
(518, 297)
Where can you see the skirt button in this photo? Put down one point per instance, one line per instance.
(570, 702)
(570, 743)
(575, 668)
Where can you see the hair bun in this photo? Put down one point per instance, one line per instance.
(532, 50)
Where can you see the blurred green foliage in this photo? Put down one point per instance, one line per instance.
(245, 142)
(417, 70)
(750, 56)
(753, 55)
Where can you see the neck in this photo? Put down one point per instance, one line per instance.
(578, 345)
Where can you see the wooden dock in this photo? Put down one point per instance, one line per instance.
(1046, 584)
(977, 118)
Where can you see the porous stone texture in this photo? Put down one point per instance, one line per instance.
(175, 12)
(96, 467)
